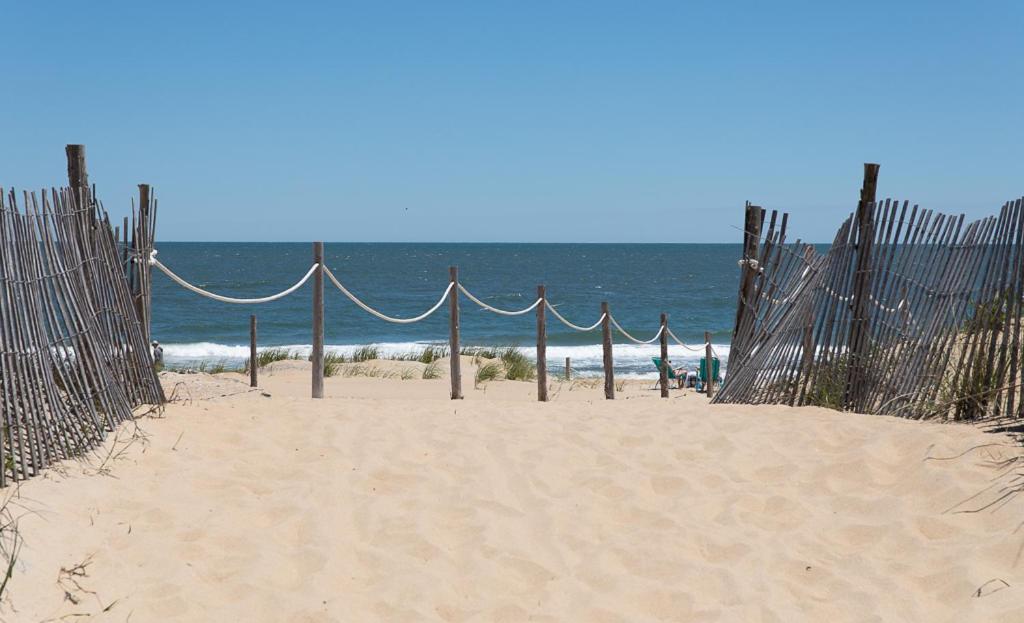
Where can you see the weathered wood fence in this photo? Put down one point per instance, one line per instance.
(74, 358)
(909, 312)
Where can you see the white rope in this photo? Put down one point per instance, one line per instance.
(376, 313)
(228, 299)
(633, 339)
(554, 311)
(680, 342)
(495, 309)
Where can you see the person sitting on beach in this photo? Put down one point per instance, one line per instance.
(680, 373)
(692, 378)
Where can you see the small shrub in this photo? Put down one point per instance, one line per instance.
(408, 374)
(829, 387)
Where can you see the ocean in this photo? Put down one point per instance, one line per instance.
(695, 284)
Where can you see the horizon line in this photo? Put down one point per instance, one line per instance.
(442, 242)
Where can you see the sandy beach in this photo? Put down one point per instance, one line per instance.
(388, 502)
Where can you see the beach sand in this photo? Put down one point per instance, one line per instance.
(388, 502)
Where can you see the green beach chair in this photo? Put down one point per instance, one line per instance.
(714, 370)
(671, 373)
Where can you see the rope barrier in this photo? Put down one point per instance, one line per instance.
(228, 299)
(680, 342)
(555, 313)
(266, 299)
(495, 309)
(633, 339)
(376, 313)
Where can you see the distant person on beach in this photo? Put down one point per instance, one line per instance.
(680, 373)
(693, 379)
(158, 356)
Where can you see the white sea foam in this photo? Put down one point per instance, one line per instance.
(631, 360)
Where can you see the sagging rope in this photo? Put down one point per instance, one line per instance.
(554, 311)
(680, 342)
(229, 299)
(376, 313)
(633, 339)
(503, 312)
(239, 301)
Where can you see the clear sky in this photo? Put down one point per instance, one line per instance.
(513, 121)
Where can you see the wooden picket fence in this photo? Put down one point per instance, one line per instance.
(909, 312)
(74, 358)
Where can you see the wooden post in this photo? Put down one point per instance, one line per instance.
(859, 342)
(78, 176)
(542, 348)
(664, 356)
(253, 380)
(142, 303)
(606, 343)
(124, 247)
(453, 333)
(78, 183)
(317, 357)
(709, 356)
(751, 239)
(568, 369)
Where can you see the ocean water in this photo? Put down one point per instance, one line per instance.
(695, 284)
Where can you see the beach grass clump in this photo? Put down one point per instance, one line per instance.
(216, 367)
(428, 354)
(487, 372)
(517, 366)
(332, 363)
(367, 371)
(432, 371)
(432, 353)
(480, 352)
(365, 353)
(266, 357)
(829, 387)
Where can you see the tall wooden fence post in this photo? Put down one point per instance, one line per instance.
(859, 340)
(542, 347)
(143, 305)
(253, 380)
(78, 178)
(606, 343)
(124, 247)
(709, 365)
(752, 219)
(317, 357)
(568, 369)
(453, 331)
(663, 373)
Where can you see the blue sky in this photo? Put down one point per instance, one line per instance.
(514, 121)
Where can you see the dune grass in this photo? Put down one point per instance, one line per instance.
(332, 363)
(432, 371)
(487, 372)
(268, 356)
(365, 353)
(518, 366)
